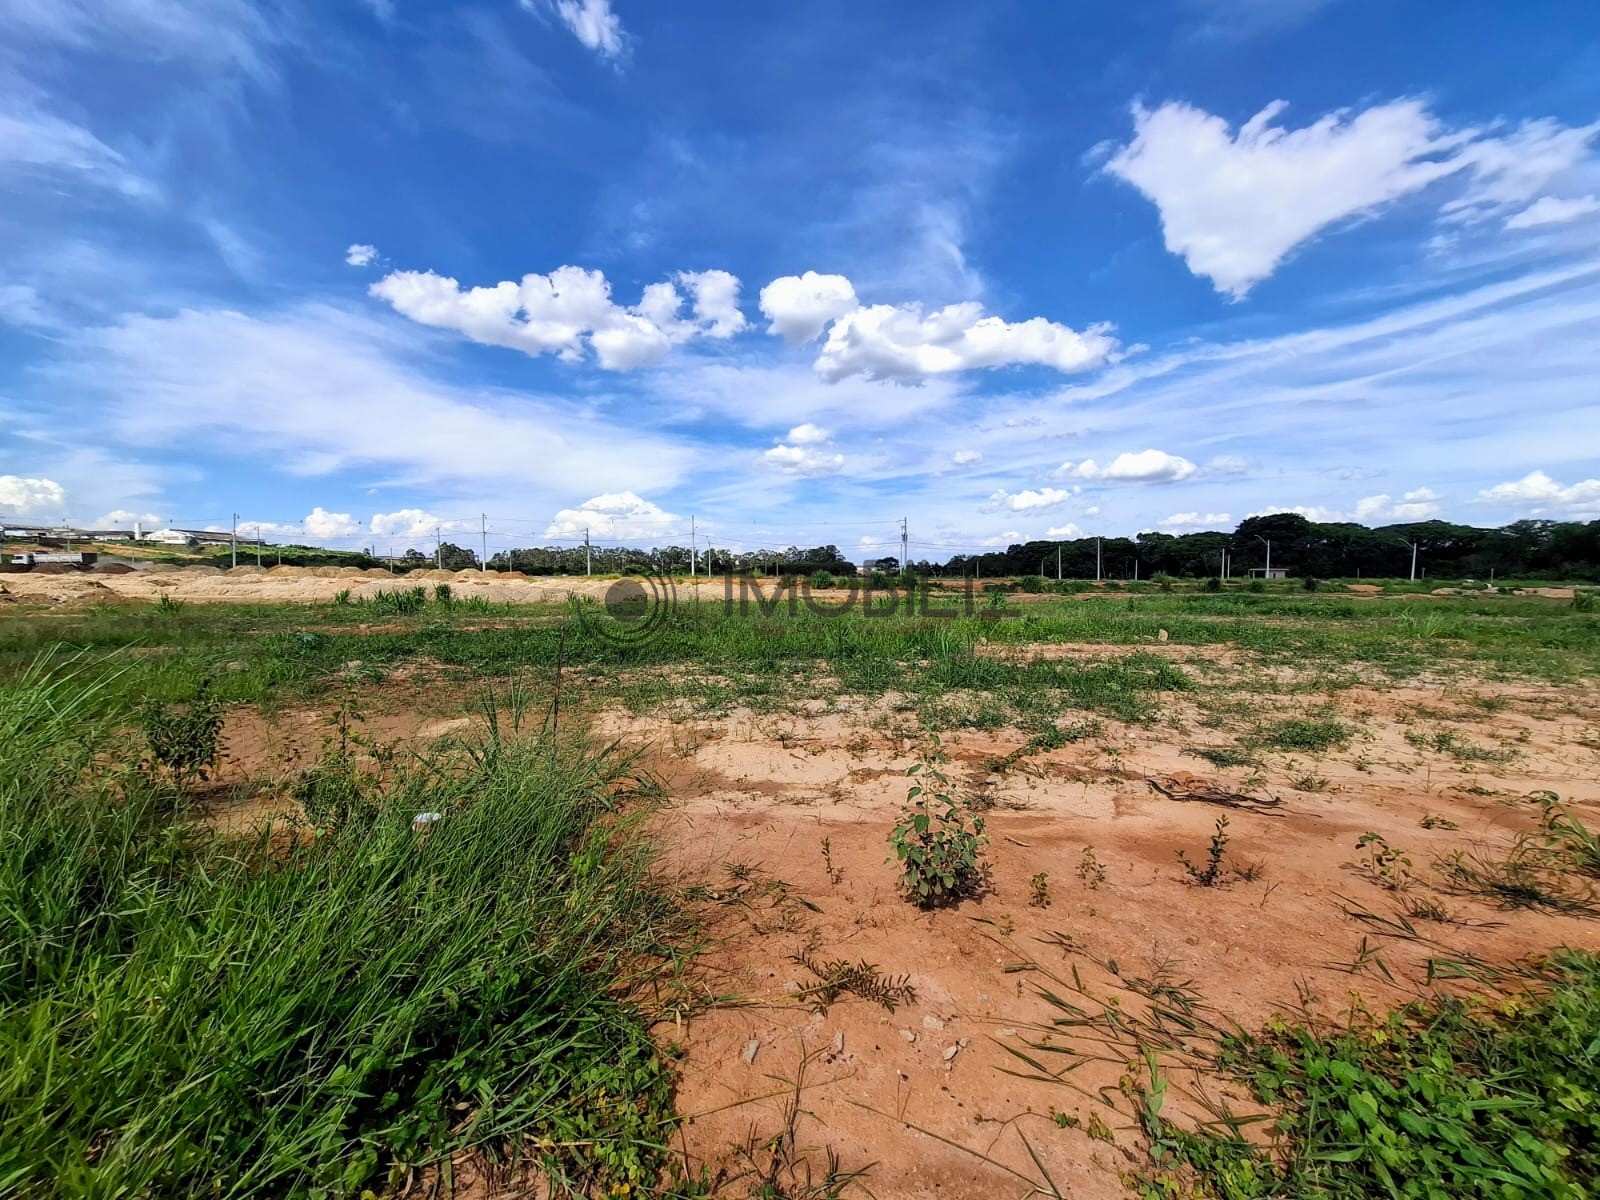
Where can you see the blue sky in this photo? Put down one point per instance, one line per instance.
(362, 269)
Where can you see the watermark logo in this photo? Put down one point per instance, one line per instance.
(635, 609)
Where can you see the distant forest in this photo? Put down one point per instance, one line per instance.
(1337, 550)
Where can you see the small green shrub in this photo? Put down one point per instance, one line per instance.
(1256, 585)
(1030, 583)
(1308, 734)
(1213, 584)
(822, 580)
(1311, 583)
(183, 739)
(1213, 873)
(939, 840)
(1585, 600)
(442, 593)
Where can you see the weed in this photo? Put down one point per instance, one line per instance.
(1225, 756)
(169, 606)
(939, 839)
(1039, 890)
(342, 598)
(1572, 838)
(183, 740)
(835, 874)
(1426, 908)
(1386, 866)
(1212, 874)
(442, 593)
(1091, 872)
(1434, 821)
(836, 978)
(1531, 875)
(186, 1014)
(1450, 1097)
(1307, 734)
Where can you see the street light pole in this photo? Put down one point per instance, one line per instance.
(1268, 543)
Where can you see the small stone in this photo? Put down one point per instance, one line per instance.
(908, 1035)
(1161, 635)
(1007, 1033)
(932, 1023)
(838, 1043)
(749, 1052)
(951, 1051)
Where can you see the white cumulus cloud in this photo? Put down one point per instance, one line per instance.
(412, 523)
(569, 311)
(1145, 466)
(1027, 500)
(966, 458)
(900, 343)
(906, 345)
(808, 435)
(799, 307)
(1065, 532)
(1233, 205)
(618, 515)
(124, 518)
(1419, 505)
(360, 254)
(24, 496)
(1538, 494)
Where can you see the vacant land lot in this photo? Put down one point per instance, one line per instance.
(1248, 895)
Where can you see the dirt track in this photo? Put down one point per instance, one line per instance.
(294, 585)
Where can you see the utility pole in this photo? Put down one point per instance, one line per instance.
(588, 557)
(258, 544)
(1099, 562)
(905, 550)
(1058, 562)
(438, 548)
(483, 563)
(693, 563)
(1268, 543)
(235, 539)
(1413, 560)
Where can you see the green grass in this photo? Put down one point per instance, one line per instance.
(183, 1014)
(1307, 734)
(1455, 1098)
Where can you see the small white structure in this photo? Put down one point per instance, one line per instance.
(169, 537)
(1269, 572)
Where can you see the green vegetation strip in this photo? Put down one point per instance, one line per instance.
(1454, 1098)
(182, 1014)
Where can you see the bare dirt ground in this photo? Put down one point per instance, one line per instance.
(777, 826)
(924, 1092)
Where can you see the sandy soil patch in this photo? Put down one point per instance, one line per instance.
(756, 799)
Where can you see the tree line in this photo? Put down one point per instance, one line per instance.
(1533, 549)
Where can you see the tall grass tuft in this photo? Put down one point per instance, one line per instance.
(183, 1014)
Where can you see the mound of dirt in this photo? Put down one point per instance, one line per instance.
(284, 569)
(351, 573)
(324, 572)
(113, 569)
(1365, 589)
(377, 573)
(201, 570)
